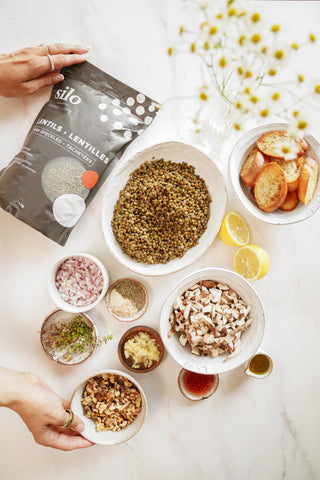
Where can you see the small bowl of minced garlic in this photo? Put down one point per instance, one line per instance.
(127, 299)
(140, 349)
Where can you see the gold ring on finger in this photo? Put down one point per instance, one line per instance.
(70, 419)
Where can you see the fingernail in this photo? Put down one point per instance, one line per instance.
(85, 56)
(58, 78)
(89, 48)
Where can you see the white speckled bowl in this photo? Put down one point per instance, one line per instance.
(176, 152)
(250, 340)
(54, 293)
(238, 156)
(108, 437)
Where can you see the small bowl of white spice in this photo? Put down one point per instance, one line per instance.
(127, 299)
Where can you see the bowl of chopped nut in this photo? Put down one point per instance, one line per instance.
(112, 406)
(275, 174)
(212, 321)
(140, 349)
(158, 213)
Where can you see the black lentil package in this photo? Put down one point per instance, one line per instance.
(87, 123)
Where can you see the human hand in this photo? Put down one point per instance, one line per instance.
(43, 411)
(27, 70)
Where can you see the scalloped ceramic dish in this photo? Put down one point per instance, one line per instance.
(250, 340)
(108, 437)
(176, 152)
(238, 156)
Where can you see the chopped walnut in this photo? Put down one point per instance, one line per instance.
(111, 401)
(210, 317)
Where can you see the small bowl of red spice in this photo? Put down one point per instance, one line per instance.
(78, 282)
(197, 386)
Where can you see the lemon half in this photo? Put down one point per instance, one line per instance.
(234, 230)
(252, 262)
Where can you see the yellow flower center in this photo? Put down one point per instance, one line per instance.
(254, 99)
(213, 30)
(279, 54)
(232, 12)
(272, 72)
(255, 17)
(302, 124)
(237, 126)
(170, 51)
(317, 88)
(285, 150)
(312, 37)
(275, 28)
(264, 113)
(295, 46)
(193, 47)
(222, 62)
(275, 96)
(301, 77)
(240, 70)
(255, 38)
(241, 40)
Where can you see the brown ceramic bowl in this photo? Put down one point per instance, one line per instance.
(55, 319)
(132, 332)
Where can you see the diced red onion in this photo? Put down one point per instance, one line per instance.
(79, 281)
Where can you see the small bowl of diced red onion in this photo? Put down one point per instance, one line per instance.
(78, 282)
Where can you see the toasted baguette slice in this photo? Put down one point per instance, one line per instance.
(308, 180)
(252, 167)
(271, 187)
(292, 170)
(279, 144)
(290, 202)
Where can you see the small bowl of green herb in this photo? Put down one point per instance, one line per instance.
(69, 339)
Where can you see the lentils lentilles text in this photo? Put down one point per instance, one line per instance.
(161, 212)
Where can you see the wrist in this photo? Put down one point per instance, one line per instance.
(11, 383)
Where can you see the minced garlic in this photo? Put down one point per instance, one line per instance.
(142, 349)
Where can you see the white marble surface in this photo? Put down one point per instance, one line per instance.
(250, 429)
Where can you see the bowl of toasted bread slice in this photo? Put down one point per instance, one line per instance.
(275, 174)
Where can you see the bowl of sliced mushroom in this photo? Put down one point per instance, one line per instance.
(212, 321)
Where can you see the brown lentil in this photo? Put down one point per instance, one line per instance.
(161, 212)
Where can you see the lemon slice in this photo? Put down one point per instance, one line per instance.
(252, 262)
(234, 230)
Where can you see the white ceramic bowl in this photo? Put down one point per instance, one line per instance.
(108, 437)
(238, 156)
(250, 340)
(54, 293)
(176, 152)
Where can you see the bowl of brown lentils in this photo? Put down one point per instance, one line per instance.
(163, 208)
